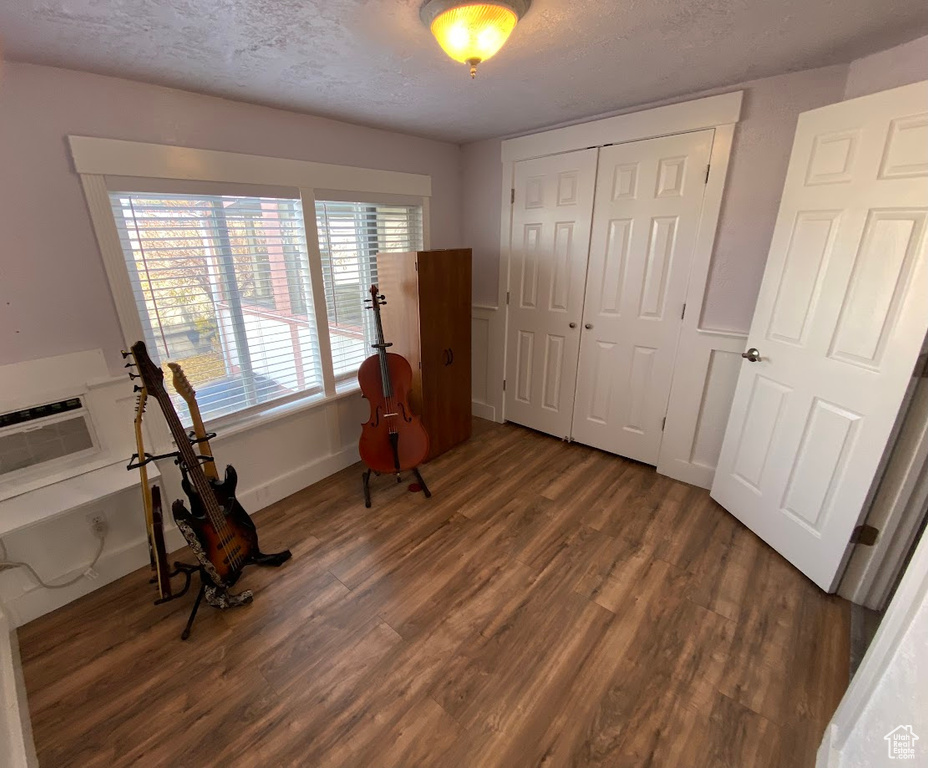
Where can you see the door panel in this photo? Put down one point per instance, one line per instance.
(648, 201)
(839, 323)
(552, 211)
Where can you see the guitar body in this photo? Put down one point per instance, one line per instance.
(412, 441)
(225, 553)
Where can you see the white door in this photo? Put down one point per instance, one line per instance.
(840, 319)
(552, 210)
(645, 219)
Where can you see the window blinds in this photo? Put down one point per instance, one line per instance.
(222, 286)
(350, 237)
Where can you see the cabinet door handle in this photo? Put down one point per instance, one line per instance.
(446, 355)
(451, 353)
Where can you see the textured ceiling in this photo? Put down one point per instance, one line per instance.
(372, 61)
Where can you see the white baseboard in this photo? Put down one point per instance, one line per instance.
(688, 472)
(483, 411)
(16, 747)
(297, 479)
(112, 565)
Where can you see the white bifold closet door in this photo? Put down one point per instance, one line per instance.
(645, 219)
(552, 210)
(840, 320)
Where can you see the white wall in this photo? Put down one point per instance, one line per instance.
(16, 747)
(904, 64)
(55, 299)
(760, 154)
(889, 688)
(899, 698)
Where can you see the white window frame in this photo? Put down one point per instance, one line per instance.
(95, 159)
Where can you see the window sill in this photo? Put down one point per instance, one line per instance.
(231, 425)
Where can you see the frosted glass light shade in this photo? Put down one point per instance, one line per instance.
(473, 33)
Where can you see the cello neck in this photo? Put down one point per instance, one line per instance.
(381, 345)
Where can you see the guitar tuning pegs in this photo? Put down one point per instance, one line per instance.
(136, 388)
(134, 375)
(124, 354)
(129, 365)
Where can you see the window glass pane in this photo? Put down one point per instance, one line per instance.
(222, 286)
(350, 237)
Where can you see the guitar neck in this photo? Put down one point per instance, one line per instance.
(151, 500)
(186, 391)
(153, 379)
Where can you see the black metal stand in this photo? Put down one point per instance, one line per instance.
(218, 597)
(196, 607)
(366, 484)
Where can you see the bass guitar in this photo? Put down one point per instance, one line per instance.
(393, 439)
(217, 528)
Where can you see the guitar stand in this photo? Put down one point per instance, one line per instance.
(218, 597)
(366, 480)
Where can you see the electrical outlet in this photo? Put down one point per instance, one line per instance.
(98, 524)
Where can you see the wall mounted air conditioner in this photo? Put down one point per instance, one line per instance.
(49, 441)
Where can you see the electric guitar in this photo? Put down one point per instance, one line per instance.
(151, 502)
(219, 531)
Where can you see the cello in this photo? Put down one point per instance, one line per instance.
(393, 439)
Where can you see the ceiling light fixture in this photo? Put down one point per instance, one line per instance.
(471, 32)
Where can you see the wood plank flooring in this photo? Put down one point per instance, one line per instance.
(551, 606)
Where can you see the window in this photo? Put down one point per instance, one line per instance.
(222, 286)
(351, 234)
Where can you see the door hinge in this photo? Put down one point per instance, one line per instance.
(512, 196)
(707, 174)
(865, 535)
(504, 385)
(507, 297)
(683, 313)
(663, 423)
(417, 266)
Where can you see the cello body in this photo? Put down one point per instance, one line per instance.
(393, 439)
(375, 445)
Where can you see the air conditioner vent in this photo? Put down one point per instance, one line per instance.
(44, 436)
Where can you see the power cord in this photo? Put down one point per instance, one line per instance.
(99, 529)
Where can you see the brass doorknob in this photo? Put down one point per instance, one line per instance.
(588, 326)
(752, 355)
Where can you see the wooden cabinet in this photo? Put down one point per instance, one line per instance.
(427, 317)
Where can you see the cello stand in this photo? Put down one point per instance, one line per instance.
(366, 482)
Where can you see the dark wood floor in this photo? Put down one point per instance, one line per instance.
(551, 606)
